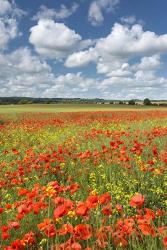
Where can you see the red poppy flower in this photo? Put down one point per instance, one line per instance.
(75, 246)
(162, 230)
(50, 231)
(14, 224)
(22, 191)
(149, 214)
(60, 211)
(73, 188)
(147, 229)
(92, 201)
(8, 206)
(107, 210)
(15, 151)
(137, 200)
(165, 242)
(4, 229)
(43, 225)
(5, 235)
(83, 231)
(82, 209)
(119, 208)
(29, 239)
(16, 245)
(160, 212)
(104, 198)
(66, 228)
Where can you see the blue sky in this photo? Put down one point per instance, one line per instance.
(112, 49)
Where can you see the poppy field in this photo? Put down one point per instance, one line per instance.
(84, 180)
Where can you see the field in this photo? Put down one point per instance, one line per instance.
(71, 108)
(83, 180)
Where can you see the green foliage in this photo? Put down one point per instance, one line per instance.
(147, 102)
(2, 122)
(131, 102)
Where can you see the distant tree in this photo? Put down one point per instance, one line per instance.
(121, 102)
(147, 102)
(163, 104)
(155, 104)
(131, 102)
(24, 101)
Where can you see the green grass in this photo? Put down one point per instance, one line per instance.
(69, 108)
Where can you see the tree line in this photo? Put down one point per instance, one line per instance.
(30, 100)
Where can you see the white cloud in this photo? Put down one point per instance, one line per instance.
(23, 60)
(25, 74)
(56, 40)
(149, 63)
(126, 42)
(9, 14)
(127, 61)
(138, 80)
(72, 85)
(55, 14)
(82, 58)
(8, 31)
(139, 85)
(21, 72)
(96, 9)
(5, 7)
(128, 19)
(10, 8)
(53, 40)
(121, 45)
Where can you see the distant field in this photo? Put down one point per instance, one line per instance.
(69, 108)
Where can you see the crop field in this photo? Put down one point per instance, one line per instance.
(56, 108)
(83, 180)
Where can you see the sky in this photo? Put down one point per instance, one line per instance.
(111, 49)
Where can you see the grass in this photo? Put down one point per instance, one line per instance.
(70, 108)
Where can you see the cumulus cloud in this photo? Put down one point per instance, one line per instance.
(25, 74)
(127, 60)
(10, 8)
(125, 42)
(55, 14)
(8, 31)
(9, 14)
(82, 58)
(21, 72)
(121, 45)
(53, 40)
(137, 80)
(5, 7)
(96, 9)
(56, 40)
(149, 63)
(72, 85)
(147, 85)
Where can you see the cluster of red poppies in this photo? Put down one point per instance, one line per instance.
(47, 194)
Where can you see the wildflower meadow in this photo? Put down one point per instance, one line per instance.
(83, 180)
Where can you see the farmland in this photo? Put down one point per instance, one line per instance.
(71, 108)
(83, 180)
